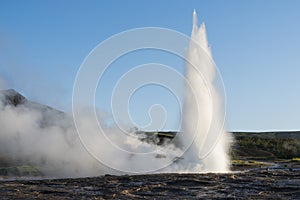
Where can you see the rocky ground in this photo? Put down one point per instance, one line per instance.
(278, 182)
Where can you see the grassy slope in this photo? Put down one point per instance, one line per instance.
(266, 145)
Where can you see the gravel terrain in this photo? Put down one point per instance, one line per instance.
(281, 182)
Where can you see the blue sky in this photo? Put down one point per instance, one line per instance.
(255, 44)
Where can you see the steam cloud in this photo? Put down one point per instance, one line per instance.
(48, 139)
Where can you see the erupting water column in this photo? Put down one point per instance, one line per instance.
(203, 117)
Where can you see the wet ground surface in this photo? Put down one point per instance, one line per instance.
(280, 182)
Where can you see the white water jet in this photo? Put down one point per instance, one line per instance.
(203, 117)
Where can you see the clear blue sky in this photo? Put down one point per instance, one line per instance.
(255, 44)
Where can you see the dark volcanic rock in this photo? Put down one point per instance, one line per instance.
(280, 183)
(12, 97)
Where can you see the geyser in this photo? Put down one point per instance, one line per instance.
(203, 116)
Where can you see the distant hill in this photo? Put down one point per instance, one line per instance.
(49, 115)
(271, 134)
(266, 145)
(11, 97)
